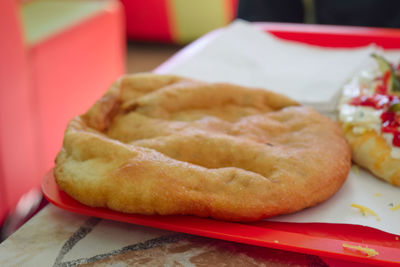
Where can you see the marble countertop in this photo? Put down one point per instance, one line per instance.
(55, 237)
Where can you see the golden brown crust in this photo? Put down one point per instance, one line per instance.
(160, 144)
(371, 151)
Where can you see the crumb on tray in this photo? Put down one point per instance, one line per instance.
(355, 169)
(365, 210)
(369, 251)
(397, 207)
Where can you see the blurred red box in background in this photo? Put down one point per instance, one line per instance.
(48, 80)
(17, 134)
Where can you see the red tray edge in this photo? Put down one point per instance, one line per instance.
(295, 242)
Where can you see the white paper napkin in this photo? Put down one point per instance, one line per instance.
(245, 55)
(360, 188)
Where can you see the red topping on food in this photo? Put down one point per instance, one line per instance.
(381, 100)
(383, 86)
(391, 124)
(377, 101)
(396, 139)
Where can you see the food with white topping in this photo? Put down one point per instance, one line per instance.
(369, 111)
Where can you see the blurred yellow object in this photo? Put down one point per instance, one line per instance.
(192, 19)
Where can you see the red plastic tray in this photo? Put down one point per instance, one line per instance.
(310, 238)
(320, 239)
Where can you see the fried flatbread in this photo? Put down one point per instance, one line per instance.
(162, 144)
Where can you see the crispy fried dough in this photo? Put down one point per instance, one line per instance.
(160, 144)
(371, 151)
